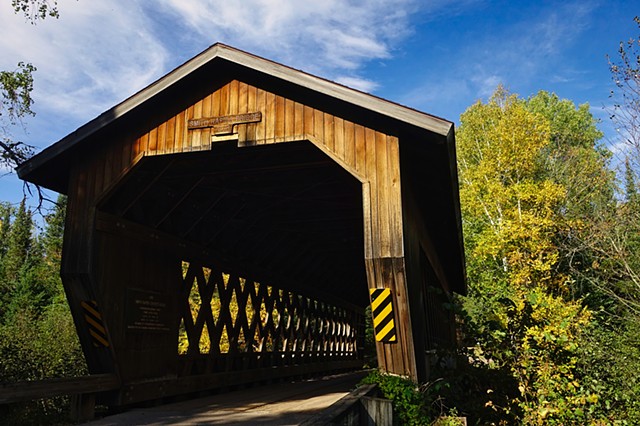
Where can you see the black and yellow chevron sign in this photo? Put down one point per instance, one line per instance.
(94, 322)
(382, 311)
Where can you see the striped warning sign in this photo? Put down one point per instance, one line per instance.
(382, 311)
(94, 322)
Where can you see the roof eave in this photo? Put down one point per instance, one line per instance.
(296, 77)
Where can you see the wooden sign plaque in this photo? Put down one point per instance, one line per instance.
(224, 125)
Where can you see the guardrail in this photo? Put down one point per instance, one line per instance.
(83, 391)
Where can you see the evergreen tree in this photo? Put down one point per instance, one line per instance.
(52, 250)
(20, 242)
(5, 226)
(5, 232)
(630, 189)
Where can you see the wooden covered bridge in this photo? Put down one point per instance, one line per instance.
(231, 222)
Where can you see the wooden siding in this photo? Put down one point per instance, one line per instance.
(369, 155)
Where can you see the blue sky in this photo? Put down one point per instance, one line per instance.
(437, 56)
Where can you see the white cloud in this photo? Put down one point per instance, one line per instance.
(325, 37)
(358, 83)
(485, 84)
(102, 51)
(98, 53)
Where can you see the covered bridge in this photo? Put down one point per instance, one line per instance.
(226, 224)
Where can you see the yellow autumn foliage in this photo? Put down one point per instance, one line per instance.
(512, 217)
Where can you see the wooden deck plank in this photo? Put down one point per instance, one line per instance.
(285, 403)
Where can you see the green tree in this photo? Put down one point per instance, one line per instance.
(20, 242)
(15, 103)
(52, 252)
(519, 202)
(630, 186)
(5, 231)
(37, 334)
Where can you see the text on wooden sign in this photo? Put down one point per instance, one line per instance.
(224, 125)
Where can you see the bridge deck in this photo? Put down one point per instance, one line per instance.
(280, 404)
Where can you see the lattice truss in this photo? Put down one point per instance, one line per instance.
(224, 313)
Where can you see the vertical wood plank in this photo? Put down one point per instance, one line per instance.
(99, 172)
(89, 208)
(126, 156)
(270, 117)
(215, 103)
(243, 108)
(205, 134)
(289, 120)
(395, 197)
(360, 155)
(308, 121)
(368, 228)
(196, 140)
(261, 105)
(350, 144)
(224, 99)
(329, 140)
(338, 135)
(137, 148)
(370, 173)
(188, 141)
(180, 132)
(298, 119)
(116, 155)
(234, 92)
(279, 117)
(153, 140)
(171, 135)
(162, 129)
(318, 125)
(108, 166)
(397, 269)
(252, 93)
(383, 192)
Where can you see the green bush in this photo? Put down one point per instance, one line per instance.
(413, 404)
(34, 348)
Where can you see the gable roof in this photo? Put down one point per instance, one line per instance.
(48, 168)
(426, 142)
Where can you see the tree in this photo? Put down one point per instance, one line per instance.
(20, 242)
(625, 71)
(37, 333)
(520, 201)
(630, 186)
(15, 93)
(15, 103)
(34, 10)
(5, 231)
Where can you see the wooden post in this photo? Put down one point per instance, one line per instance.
(83, 407)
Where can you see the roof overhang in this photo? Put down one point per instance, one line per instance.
(221, 63)
(432, 137)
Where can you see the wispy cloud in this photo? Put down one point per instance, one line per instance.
(522, 50)
(96, 54)
(326, 37)
(100, 52)
(361, 84)
(513, 54)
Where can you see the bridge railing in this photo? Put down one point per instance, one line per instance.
(83, 391)
(231, 323)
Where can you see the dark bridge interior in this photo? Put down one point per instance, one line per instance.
(284, 213)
